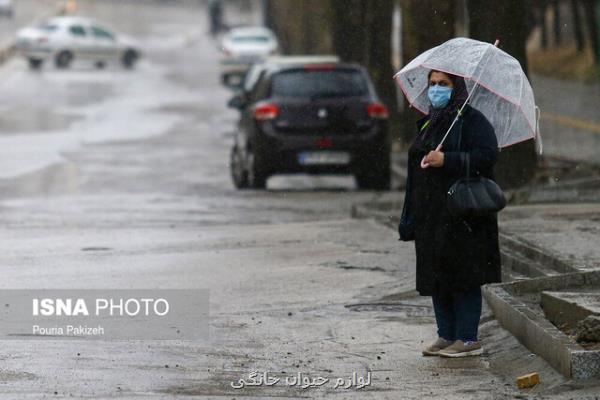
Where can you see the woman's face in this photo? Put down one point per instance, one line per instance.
(440, 78)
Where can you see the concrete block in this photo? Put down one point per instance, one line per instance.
(585, 364)
(568, 308)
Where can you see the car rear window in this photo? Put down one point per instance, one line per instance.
(48, 27)
(319, 83)
(250, 39)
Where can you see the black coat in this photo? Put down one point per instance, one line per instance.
(453, 254)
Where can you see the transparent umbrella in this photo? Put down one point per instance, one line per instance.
(496, 83)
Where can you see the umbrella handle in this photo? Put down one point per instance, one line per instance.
(424, 163)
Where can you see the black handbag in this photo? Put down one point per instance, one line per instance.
(474, 196)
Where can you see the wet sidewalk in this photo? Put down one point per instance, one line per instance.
(567, 232)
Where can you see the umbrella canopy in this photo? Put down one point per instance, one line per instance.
(502, 91)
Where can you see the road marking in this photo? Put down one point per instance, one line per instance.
(572, 122)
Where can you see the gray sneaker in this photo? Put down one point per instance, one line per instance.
(434, 348)
(462, 349)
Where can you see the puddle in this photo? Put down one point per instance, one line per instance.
(93, 248)
(10, 376)
(16, 121)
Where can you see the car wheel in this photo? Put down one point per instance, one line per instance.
(257, 176)
(35, 63)
(375, 177)
(63, 59)
(100, 64)
(239, 175)
(129, 59)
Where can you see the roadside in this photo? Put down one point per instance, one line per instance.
(295, 284)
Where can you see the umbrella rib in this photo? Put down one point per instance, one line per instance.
(512, 120)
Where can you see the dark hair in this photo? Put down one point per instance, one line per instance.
(453, 78)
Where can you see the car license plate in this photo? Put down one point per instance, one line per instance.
(323, 157)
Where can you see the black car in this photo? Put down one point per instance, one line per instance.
(312, 118)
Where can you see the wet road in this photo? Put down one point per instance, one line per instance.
(569, 124)
(133, 164)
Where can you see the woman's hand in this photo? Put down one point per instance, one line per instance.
(435, 158)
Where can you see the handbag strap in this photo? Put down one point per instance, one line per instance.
(460, 127)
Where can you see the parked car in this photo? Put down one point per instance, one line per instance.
(310, 118)
(65, 39)
(7, 8)
(255, 71)
(241, 48)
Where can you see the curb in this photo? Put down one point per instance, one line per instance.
(576, 191)
(534, 255)
(538, 334)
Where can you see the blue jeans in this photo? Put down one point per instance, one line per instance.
(457, 315)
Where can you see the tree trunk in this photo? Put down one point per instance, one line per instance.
(592, 23)
(542, 6)
(579, 39)
(425, 24)
(556, 12)
(517, 163)
(349, 30)
(379, 49)
(302, 26)
(362, 33)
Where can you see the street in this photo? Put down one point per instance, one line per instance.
(119, 179)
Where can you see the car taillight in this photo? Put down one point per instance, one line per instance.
(324, 143)
(42, 40)
(378, 111)
(266, 112)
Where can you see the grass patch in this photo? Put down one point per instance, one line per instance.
(565, 62)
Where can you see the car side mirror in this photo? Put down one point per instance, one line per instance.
(237, 102)
(233, 81)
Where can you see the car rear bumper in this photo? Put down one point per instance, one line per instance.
(37, 53)
(288, 154)
(232, 66)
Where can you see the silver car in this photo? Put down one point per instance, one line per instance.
(241, 47)
(65, 39)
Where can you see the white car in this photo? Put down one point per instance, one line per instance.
(6, 8)
(64, 39)
(242, 47)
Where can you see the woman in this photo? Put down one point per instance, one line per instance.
(455, 256)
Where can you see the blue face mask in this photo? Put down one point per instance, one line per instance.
(439, 96)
